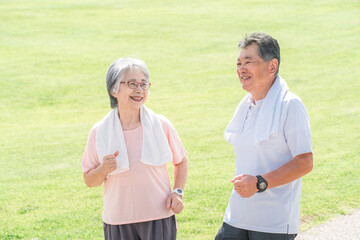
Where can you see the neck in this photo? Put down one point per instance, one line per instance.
(261, 94)
(129, 119)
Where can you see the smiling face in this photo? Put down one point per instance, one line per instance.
(256, 75)
(131, 98)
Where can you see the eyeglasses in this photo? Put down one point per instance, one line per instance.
(135, 85)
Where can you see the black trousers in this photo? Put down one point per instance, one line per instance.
(228, 232)
(162, 229)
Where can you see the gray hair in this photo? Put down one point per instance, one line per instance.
(116, 72)
(268, 46)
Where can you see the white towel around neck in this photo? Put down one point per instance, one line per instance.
(110, 138)
(268, 122)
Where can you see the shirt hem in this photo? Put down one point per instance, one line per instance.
(136, 220)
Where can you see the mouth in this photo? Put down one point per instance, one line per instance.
(136, 98)
(244, 78)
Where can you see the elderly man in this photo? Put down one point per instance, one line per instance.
(270, 132)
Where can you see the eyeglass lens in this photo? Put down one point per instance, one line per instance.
(134, 85)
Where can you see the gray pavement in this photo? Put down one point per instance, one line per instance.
(345, 227)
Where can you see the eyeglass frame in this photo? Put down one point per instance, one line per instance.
(137, 85)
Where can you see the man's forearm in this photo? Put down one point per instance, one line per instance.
(296, 168)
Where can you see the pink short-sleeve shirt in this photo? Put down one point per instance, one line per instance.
(139, 194)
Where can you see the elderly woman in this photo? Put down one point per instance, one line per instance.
(128, 151)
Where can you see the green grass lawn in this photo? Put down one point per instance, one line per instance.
(53, 60)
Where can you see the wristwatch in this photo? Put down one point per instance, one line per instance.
(261, 184)
(179, 192)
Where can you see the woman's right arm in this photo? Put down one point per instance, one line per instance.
(96, 176)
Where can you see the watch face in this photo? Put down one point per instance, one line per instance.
(179, 191)
(262, 185)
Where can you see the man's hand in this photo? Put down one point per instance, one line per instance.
(245, 185)
(109, 163)
(174, 202)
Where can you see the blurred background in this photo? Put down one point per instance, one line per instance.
(53, 59)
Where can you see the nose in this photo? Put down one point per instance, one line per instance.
(241, 68)
(138, 87)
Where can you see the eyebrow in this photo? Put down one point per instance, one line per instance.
(134, 80)
(246, 58)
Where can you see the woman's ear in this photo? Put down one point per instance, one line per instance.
(113, 92)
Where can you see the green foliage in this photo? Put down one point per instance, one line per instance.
(54, 56)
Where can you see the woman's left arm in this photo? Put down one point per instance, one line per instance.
(174, 201)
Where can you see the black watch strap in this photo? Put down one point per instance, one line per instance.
(261, 184)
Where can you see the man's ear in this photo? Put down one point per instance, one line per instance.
(273, 66)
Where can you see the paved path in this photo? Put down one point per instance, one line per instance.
(346, 227)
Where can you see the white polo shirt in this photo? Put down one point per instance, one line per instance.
(277, 210)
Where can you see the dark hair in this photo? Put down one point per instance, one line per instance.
(268, 46)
